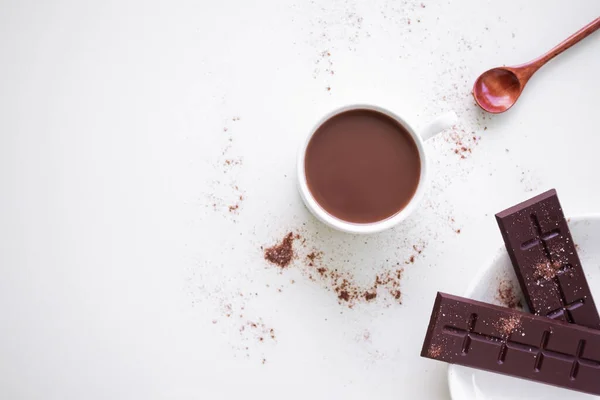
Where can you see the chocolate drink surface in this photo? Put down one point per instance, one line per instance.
(362, 166)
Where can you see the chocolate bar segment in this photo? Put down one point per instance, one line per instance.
(511, 342)
(543, 255)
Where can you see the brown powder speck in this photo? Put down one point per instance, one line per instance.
(547, 270)
(434, 351)
(234, 208)
(457, 231)
(228, 310)
(370, 295)
(257, 329)
(281, 254)
(462, 141)
(507, 296)
(315, 255)
(328, 88)
(344, 295)
(508, 325)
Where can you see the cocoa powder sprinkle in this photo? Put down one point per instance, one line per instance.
(507, 296)
(547, 270)
(281, 254)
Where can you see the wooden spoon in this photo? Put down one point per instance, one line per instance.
(498, 89)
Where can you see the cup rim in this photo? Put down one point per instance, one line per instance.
(352, 227)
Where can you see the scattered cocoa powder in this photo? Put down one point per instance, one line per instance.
(281, 254)
(343, 294)
(507, 295)
(259, 330)
(462, 141)
(342, 283)
(508, 325)
(547, 270)
(367, 336)
(370, 295)
(434, 351)
(417, 249)
(313, 257)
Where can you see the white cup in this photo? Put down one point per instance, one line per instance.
(443, 122)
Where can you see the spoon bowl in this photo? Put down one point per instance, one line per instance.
(497, 89)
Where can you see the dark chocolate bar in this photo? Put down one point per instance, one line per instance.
(543, 255)
(515, 343)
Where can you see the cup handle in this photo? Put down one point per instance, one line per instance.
(439, 124)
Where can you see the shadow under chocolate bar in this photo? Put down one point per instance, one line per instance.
(503, 340)
(545, 260)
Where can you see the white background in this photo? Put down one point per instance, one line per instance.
(119, 257)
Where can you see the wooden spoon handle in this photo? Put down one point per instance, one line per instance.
(525, 71)
(568, 42)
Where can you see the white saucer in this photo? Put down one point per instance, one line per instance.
(471, 384)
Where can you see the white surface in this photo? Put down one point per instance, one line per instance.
(113, 261)
(469, 384)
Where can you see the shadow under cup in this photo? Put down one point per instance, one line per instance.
(362, 166)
